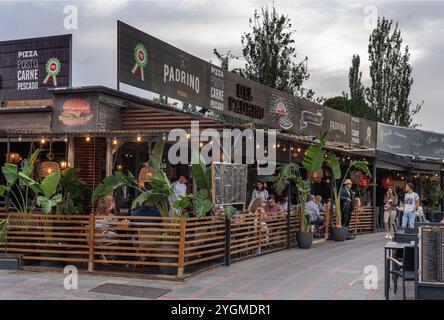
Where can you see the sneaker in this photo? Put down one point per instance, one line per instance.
(386, 236)
(389, 237)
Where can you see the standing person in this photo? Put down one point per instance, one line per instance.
(259, 193)
(347, 203)
(390, 210)
(411, 204)
(179, 190)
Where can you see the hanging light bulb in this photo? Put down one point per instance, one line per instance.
(66, 139)
(201, 144)
(115, 141)
(188, 135)
(88, 139)
(139, 138)
(20, 138)
(42, 140)
(163, 138)
(299, 149)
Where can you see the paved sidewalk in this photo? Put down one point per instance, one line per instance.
(330, 270)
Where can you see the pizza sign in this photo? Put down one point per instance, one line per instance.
(29, 67)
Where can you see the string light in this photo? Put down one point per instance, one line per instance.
(201, 144)
(163, 138)
(88, 139)
(115, 141)
(188, 135)
(66, 139)
(139, 138)
(274, 146)
(299, 149)
(42, 140)
(20, 138)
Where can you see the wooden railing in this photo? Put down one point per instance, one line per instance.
(361, 221)
(173, 246)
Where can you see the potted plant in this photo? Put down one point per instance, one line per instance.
(287, 174)
(316, 156)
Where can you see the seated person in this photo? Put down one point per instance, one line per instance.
(284, 203)
(146, 210)
(320, 204)
(107, 207)
(313, 208)
(272, 206)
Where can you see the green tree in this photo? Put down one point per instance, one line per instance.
(356, 108)
(354, 80)
(270, 57)
(390, 73)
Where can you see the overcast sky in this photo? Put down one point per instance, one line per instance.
(328, 32)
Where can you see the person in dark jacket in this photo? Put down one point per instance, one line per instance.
(347, 203)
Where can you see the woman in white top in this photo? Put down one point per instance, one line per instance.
(259, 194)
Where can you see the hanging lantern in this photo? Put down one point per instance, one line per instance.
(63, 164)
(356, 177)
(145, 175)
(13, 158)
(50, 166)
(316, 176)
(387, 182)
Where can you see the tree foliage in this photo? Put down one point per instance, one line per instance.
(269, 55)
(390, 73)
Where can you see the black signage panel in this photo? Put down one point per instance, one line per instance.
(394, 139)
(229, 183)
(363, 132)
(309, 118)
(28, 67)
(427, 144)
(337, 124)
(151, 64)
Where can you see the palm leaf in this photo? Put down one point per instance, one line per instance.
(361, 165)
(315, 154)
(156, 155)
(333, 163)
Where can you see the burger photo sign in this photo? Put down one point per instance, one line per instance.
(75, 112)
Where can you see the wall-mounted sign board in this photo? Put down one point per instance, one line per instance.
(229, 183)
(28, 67)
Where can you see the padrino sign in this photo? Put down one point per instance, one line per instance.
(151, 64)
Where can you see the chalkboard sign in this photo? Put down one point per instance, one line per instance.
(229, 183)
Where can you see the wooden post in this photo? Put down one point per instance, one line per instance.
(109, 157)
(375, 212)
(8, 151)
(71, 152)
(227, 242)
(260, 232)
(289, 202)
(91, 242)
(182, 240)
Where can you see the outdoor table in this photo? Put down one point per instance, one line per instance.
(388, 249)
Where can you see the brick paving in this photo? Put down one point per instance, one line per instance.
(329, 270)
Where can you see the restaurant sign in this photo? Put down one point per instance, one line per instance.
(409, 141)
(151, 64)
(29, 67)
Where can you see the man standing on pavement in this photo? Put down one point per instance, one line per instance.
(347, 203)
(411, 204)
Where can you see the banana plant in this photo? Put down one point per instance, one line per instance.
(291, 173)
(158, 191)
(317, 156)
(202, 202)
(25, 193)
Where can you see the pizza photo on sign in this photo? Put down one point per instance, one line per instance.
(76, 112)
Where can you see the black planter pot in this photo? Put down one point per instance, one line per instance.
(167, 269)
(304, 239)
(339, 233)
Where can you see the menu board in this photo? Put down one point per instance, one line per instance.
(229, 183)
(28, 67)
